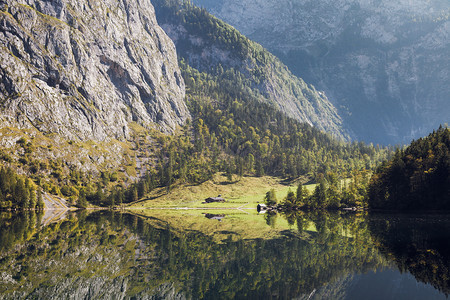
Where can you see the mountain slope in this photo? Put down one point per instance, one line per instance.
(384, 64)
(213, 47)
(86, 69)
(78, 80)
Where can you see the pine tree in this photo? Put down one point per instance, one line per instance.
(82, 202)
(290, 199)
(320, 196)
(270, 198)
(300, 194)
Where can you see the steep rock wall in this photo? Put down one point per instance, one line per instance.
(86, 69)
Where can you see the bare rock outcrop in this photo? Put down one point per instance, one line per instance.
(86, 69)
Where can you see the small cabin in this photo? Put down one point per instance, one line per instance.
(215, 199)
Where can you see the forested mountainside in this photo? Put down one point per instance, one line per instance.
(233, 131)
(417, 178)
(383, 64)
(212, 46)
(85, 70)
(232, 125)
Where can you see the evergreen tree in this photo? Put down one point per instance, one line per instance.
(40, 200)
(300, 194)
(290, 199)
(82, 202)
(319, 196)
(270, 198)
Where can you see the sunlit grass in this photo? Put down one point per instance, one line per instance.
(244, 193)
(183, 207)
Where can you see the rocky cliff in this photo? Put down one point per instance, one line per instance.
(86, 69)
(384, 64)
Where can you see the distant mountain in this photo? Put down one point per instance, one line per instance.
(85, 70)
(384, 64)
(212, 46)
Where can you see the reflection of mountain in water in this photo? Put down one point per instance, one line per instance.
(119, 254)
(419, 244)
(109, 253)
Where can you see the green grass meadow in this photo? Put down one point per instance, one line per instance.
(244, 193)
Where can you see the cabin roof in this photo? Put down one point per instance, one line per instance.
(215, 198)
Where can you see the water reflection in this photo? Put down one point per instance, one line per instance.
(419, 244)
(17, 228)
(109, 254)
(217, 217)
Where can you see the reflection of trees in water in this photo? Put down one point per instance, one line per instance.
(418, 244)
(147, 254)
(271, 218)
(285, 267)
(17, 227)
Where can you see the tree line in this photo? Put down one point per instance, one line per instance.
(417, 177)
(18, 192)
(330, 192)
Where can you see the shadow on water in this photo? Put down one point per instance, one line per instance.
(108, 254)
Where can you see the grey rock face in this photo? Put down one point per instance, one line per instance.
(86, 69)
(384, 64)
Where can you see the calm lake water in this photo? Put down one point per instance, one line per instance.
(157, 254)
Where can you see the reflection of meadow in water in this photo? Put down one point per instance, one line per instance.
(192, 254)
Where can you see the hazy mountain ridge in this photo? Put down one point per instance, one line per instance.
(383, 64)
(85, 70)
(208, 44)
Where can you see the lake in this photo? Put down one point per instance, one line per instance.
(228, 254)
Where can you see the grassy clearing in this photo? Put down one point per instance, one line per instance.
(245, 193)
(165, 209)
